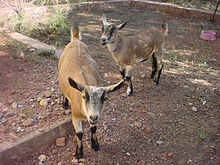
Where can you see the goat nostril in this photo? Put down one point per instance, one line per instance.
(93, 118)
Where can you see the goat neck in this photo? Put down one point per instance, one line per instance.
(115, 46)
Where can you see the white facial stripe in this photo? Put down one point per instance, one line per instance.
(94, 89)
(105, 37)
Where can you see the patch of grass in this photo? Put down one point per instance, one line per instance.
(33, 58)
(145, 14)
(100, 55)
(13, 46)
(38, 56)
(173, 56)
(17, 85)
(46, 53)
(26, 111)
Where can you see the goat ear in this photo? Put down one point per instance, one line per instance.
(121, 26)
(114, 87)
(104, 20)
(76, 85)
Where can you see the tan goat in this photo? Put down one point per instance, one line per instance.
(79, 80)
(128, 50)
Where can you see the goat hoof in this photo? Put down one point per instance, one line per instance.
(95, 147)
(129, 92)
(156, 82)
(78, 155)
(151, 76)
(65, 106)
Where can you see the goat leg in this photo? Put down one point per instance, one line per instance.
(79, 146)
(94, 140)
(65, 102)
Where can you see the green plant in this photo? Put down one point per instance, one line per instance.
(56, 21)
(46, 53)
(33, 58)
(13, 46)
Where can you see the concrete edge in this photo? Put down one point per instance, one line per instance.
(30, 41)
(164, 7)
(12, 152)
(34, 43)
(178, 10)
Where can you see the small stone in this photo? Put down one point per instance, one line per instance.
(194, 109)
(48, 94)
(124, 95)
(31, 50)
(1, 115)
(159, 142)
(5, 109)
(67, 112)
(4, 120)
(105, 126)
(60, 163)
(14, 105)
(19, 129)
(75, 161)
(44, 102)
(60, 142)
(20, 106)
(54, 151)
(27, 123)
(151, 114)
(42, 158)
(138, 124)
(20, 54)
(82, 160)
(40, 98)
(190, 103)
(132, 104)
(114, 119)
(10, 114)
(128, 154)
(181, 162)
(31, 100)
(148, 129)
(143, 76)
(10, 100)
(22, 115)
(169, 154)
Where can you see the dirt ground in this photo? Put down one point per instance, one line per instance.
(176, 122)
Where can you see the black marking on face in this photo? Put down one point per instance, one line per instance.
(122, 73)
(103, 28)
(112, 29)
(128, 78)
(103, 97)
(86, 96)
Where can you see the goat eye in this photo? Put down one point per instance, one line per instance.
(86, 96)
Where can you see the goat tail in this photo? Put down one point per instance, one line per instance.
(75, 33)
(165, 28)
